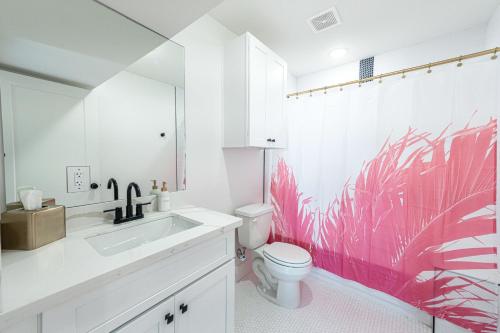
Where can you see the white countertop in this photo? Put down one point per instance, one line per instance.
(33, 281)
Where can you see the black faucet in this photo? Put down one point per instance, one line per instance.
(129, 209)
(129, 215)
(112, 183)
(118, 210)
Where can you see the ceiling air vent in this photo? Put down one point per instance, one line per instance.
(325, 20)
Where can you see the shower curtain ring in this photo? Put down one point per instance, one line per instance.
(380, 80)
(460, 62)
(341, 88)
(429, 70)
(310, 93)
(494, 56)
(403, 76)
(325, 92)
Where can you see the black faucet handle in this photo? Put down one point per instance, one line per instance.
(138, 209)
(118, 213)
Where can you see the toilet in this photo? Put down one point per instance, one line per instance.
(279, 266)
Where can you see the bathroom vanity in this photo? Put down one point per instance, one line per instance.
(170, 272)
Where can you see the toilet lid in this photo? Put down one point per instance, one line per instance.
(287, 254)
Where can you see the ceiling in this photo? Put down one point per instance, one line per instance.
(164, 64)
(166, 17)
(38, 38)
(369, 27)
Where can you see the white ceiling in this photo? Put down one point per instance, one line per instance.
(164, 64)
(369, 27)
(166, 17)
(75, 41)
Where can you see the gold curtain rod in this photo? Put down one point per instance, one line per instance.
(403, 72)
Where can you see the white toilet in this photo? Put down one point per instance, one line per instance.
(279, 266)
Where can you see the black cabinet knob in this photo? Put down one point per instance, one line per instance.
(169, 318)
(94, 186)
(271, 140)
(183, 308)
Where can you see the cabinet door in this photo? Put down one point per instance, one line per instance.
(276, 86)
(207, 305)
(257, 93)
(159, 319)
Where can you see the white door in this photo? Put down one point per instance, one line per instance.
(159, 319)
(207, 305)
(257, 93)
(276, 86)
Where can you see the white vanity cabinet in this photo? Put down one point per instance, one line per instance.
(200, 307)
(190, 291)
(254, 95)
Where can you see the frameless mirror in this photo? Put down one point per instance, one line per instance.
(87, 95)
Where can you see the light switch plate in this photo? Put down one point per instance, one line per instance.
(78, 178)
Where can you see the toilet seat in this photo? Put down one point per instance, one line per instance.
(287, 255)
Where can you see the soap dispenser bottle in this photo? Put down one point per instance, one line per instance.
(164, 199)
(156, 192)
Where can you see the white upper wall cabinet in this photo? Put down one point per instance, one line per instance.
(254, 95)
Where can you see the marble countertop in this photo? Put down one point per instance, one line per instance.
(32, 281)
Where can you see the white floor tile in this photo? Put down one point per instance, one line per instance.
(326, 308)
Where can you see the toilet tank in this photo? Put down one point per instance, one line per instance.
(256, 226)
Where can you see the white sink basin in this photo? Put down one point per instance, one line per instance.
(124, 239)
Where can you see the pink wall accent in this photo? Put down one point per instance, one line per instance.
(392, 228)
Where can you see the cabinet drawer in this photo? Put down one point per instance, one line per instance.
(116, 303)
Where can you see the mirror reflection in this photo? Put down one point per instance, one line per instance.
(82, 103)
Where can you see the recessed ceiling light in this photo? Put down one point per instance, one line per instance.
(337, 53)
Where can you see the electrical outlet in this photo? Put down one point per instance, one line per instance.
(78, 179)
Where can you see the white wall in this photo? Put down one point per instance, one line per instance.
(131, 112)
(452, 45)
(493, 30)
(218, 179)
(291, 82)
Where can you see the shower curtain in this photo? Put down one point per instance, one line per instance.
(393, 185)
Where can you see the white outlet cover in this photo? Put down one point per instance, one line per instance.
(78, 179)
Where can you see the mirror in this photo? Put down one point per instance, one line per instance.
(87, 95)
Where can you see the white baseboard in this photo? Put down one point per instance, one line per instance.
(376, 295)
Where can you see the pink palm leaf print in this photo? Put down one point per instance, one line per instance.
(400, 227)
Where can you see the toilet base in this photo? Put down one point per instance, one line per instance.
(286, 295)
(279, 285)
